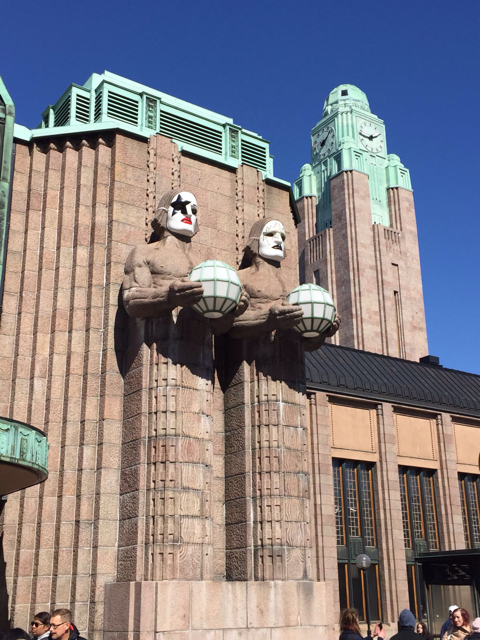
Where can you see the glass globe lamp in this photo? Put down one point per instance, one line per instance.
(221, 288)
(318, 309)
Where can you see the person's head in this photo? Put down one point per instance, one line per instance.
(40, 624)
(349, 620)
(422, 628)
(476, 625)
(451, 609)
(406, 619)
(266, 239)
(460, 618)
(15, 634)
(60, 622)
(177, 213)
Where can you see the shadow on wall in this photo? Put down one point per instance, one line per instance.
(187, 340)
(4, 621)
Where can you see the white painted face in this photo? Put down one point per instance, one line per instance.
(182, 214)
(271, 244)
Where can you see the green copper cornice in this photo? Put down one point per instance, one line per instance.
(23, 456)
(397, 174)
(108, 101)
(7, 117)
(306, 183)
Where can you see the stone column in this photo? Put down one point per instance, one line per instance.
(170, 460)
(267, 479)
(389, 519)
(450, 522)
(323, 507)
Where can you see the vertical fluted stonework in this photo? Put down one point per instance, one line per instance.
(180, 451)
(267, 479)
(166, 515)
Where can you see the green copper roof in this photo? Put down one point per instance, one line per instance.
(345, 94)
(108, 101)
(23, 456)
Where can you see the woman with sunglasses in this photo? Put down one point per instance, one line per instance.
(41, 626)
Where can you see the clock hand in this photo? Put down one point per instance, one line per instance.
(374, 136)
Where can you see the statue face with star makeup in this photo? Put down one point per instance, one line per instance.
(182, 214)
(271, 243)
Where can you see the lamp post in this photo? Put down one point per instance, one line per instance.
(363, 562)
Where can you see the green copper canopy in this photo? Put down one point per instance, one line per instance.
(346, 94)
(23, 456)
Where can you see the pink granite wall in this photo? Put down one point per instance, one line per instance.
(78, 207)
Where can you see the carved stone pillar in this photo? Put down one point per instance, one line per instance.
(266, 466)
(177, 441)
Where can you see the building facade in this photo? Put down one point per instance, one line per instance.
(395, 452)
(190, 492)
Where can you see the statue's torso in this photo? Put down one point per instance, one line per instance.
(167, 261)
(263, 287)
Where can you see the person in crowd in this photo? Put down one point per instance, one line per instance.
(448, 623)
(15, 634)
(475, 635)
(460, 627)
(41, 626)
(422, 630)
(62, 627)
(406, 626)
(350, 627)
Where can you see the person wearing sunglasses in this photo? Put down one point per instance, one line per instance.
(41, 625)
(62, 627)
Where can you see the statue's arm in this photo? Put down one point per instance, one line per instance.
(143, 298)
(263, 317)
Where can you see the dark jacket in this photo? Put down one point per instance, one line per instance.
(473, 636)
(74, 633)
(349, 634)
(405, 633)
(445, 627)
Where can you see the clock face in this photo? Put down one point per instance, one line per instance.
(371, 136)
(323, 142)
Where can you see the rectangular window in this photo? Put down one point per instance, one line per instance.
(356, 533)
(469, 499)
(420, 528)
(316, 276)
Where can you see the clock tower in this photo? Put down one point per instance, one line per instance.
(358, 229)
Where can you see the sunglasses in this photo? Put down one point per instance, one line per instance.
(34, 623)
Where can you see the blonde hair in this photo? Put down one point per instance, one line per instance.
(63, 613)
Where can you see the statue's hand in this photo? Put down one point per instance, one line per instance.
(242, 305)
(334, 327)
(184, 292)
(285, 315)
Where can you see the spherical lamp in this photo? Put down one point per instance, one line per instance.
(221, 288)
(363, 561)
(318, 309)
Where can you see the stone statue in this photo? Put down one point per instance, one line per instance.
(156, 274)
(261, 276)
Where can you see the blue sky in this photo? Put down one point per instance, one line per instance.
(269, 65)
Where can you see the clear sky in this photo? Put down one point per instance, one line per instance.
(269, 65)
